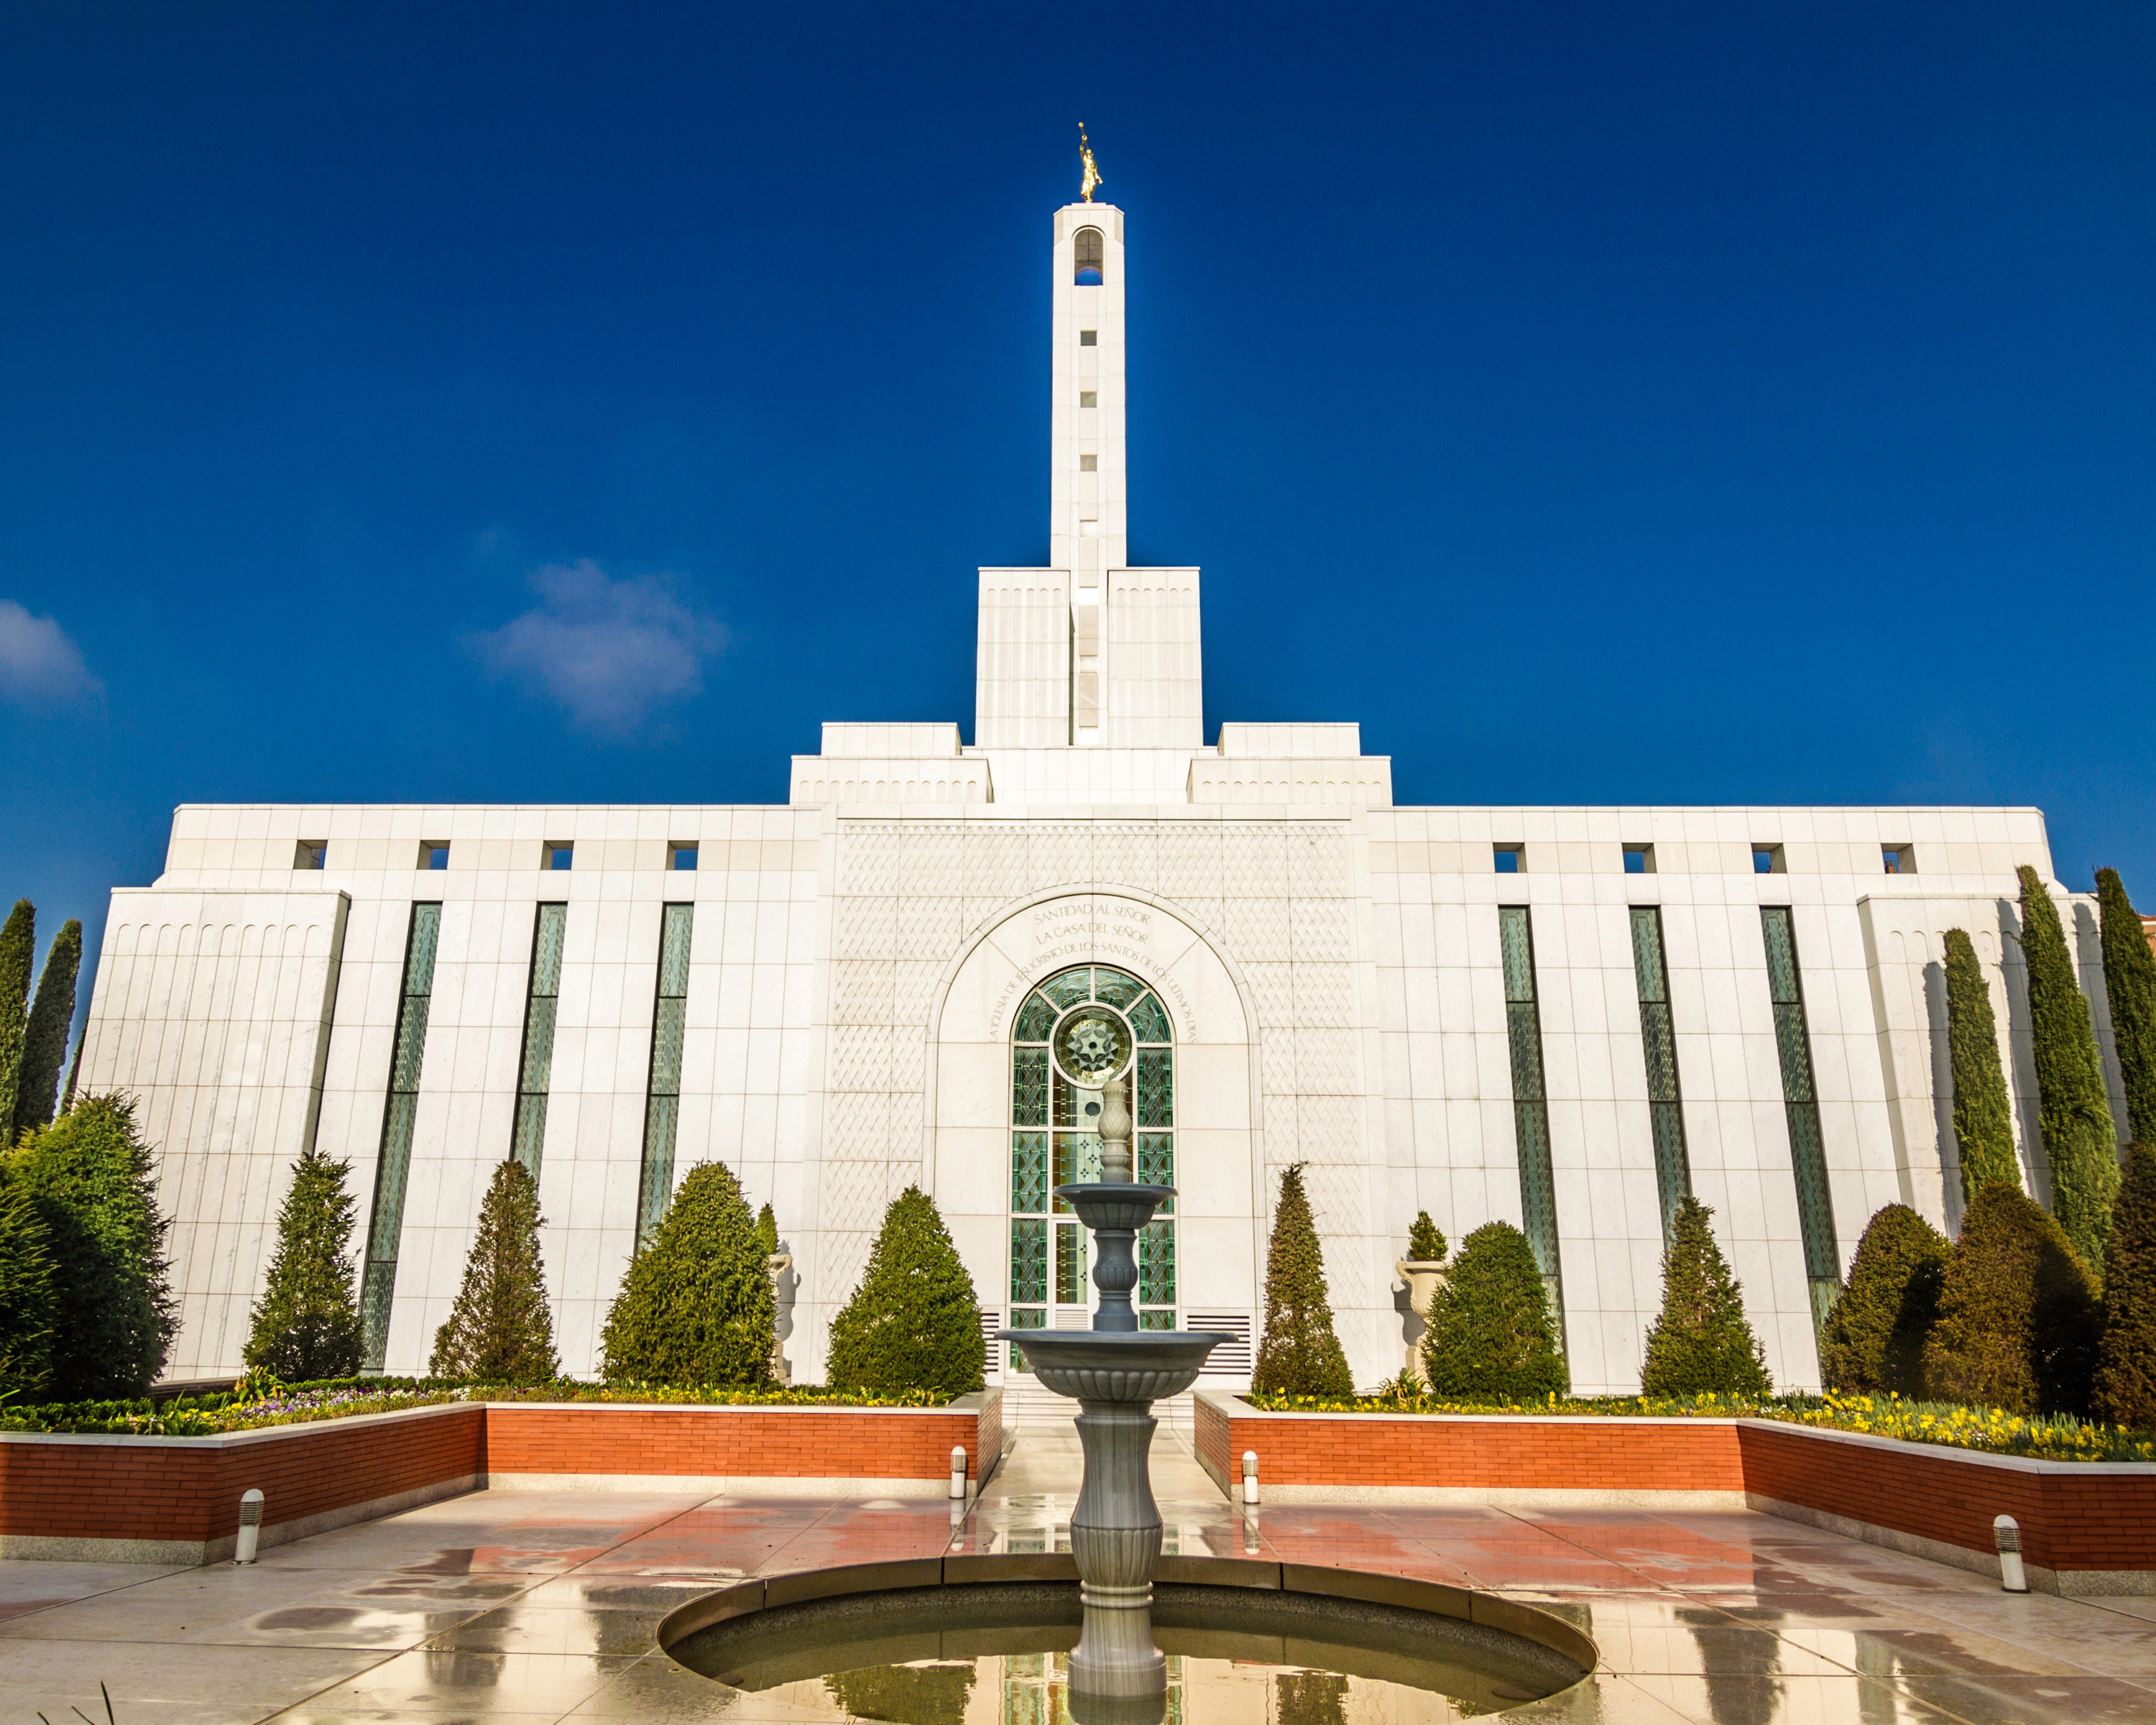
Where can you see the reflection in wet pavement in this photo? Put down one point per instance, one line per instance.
(540, 1605)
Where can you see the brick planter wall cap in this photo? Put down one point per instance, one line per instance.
(971, 1402)
(1956, 1452)
(1238, 1409)
(236, 1440)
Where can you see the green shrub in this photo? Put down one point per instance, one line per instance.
(1701, 1344)
(915, 1320)
(2073, 1109)
(17, 953)
(2017, 1312)
(93, 1181)
(1299, 1354)
(695, 1305)
(767, 1231)
(2124, 1391)
(2130, 981)
(306, 1324)
(1982, 1118)
(1490, 1330)
(27, 1304)
(1426, 1242)
(500, 1330)
(46, 1035)
(1874, 1339)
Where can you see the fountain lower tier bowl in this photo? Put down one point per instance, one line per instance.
(1115, 1365)
(999, 1650)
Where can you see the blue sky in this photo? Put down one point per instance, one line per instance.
(1705, 403)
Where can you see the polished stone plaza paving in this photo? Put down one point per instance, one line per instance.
(531, 1606)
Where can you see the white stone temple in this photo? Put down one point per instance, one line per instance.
(921, 968)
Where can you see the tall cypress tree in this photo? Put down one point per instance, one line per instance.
(18, 939)
(2073, 1110)
(2125, 1388)
(29, 1310)
(94, 1184)
(45, 1036)
(306, 1324)
(2129, 978)
(1982, 1118)
(915, 1320)
(1300, 1354)
(696, 1307)
(500, 1330)
(1702, 1344)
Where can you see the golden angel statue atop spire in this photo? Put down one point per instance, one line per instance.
(1092, 172)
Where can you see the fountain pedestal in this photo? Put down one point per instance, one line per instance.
(1116, 1372)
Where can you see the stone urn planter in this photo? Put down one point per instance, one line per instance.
(1422, 1275)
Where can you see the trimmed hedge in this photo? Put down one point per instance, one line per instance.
(1702, 1344)
(696, 1306)
(1300, 1354)
(1874, 1339)
(1490, 1329)
(915, 1320)
(2017, 1312)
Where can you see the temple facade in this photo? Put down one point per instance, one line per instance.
(924, 966)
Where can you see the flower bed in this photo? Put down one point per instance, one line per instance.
(251, 1405)
(2055, 1437)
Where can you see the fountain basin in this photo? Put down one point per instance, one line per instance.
(991, 1641)
(1135, 1366)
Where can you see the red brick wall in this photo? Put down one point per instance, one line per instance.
(189, 1489)
(1473, 1450)
(2072, 1516)
(774, 1442)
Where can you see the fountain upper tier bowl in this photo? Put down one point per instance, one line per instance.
(1115, 1365)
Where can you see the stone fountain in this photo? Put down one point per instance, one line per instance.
(1116, 1372)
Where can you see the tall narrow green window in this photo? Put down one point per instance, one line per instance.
(1793, 1042)
(392, 1165)
(1077, 1031)
(1657, 1030)
(527, 1135)
(662, 1106)
(1530, 1136)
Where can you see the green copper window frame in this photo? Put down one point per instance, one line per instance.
(1531, 1134)
(662, 1100)
(535, 1066)
(393, 1162)
(1659, 1037)
(1793, 1046)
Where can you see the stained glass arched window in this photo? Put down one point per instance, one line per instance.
(1078, 1028)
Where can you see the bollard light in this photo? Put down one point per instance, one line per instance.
(1249, 1475)
(958, 1469)
(250, 1526)
(2006, 1531)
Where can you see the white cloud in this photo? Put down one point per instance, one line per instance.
(607, 650)
(38, 661)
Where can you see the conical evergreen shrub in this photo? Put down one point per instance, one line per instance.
(2129, 980)
(767, 1231)
(2073, 1109)
(1703, 1344)
(695, 1306)
(914, 1322)
(501, 1330)
(1982, 1118)
(28, 1309)
(1874, 1339)
(1299, 1355)
(305, 1327)
(1491, 1337)
(1426, 1242)
(2124, 1391)
(17, 953)
(94, 1184)
(2017, 1312)
(45, 1034)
